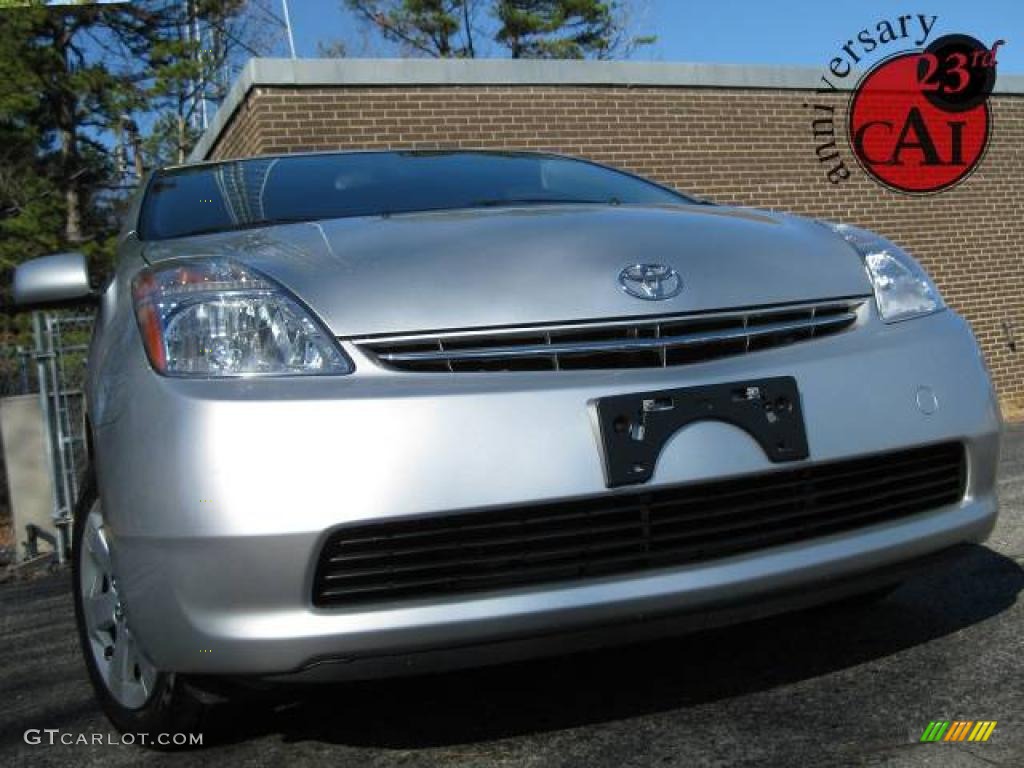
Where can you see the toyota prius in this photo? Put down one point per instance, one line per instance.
(360, 414)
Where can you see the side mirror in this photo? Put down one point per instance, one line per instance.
(53, 281)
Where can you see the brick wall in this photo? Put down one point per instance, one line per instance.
(747, 146)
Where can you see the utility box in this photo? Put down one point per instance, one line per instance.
(29, 479)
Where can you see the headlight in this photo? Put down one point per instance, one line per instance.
(902, 288)
(217, 318)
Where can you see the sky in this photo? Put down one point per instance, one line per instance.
(801, 32)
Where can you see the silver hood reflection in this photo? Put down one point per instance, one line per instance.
(537, 264)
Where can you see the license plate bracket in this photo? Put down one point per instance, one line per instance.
(635, 427)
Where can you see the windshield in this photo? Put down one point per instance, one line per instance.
(248, 193)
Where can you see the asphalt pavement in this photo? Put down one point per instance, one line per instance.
(824, 687)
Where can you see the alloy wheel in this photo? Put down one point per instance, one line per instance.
(121, 663)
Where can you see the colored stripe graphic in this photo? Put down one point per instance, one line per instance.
(935, 730)
(958, 730)
(982, 730)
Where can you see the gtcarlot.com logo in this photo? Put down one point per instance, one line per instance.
(54, 736)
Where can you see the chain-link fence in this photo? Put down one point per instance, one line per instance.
(62, 345)
(50, 361)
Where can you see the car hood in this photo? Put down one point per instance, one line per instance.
(543, 264)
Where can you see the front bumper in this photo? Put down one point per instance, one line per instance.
(218, 523)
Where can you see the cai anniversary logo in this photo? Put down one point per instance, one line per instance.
(918, 119)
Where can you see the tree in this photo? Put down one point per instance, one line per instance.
(548, 29)
(77, 81)
(31, 215)
(333, 49)
(69, 93)
(192, 61)
(86, 63)
(555, 29)
(439, 28)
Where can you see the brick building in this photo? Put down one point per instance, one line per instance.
(738, 135)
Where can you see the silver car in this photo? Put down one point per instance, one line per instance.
(362, 414)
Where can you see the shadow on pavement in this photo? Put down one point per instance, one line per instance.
(630, 681)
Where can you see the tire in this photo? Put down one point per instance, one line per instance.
(134, 695)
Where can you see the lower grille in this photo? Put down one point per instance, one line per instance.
(629, 533)
(652, 342)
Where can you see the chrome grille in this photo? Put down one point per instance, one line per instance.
(641, 343)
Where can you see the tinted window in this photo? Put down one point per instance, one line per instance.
(248, 193)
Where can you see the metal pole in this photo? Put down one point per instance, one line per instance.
(288, 26)
(67, 436)
(65, 507)
(192, 36)
(187, 28)
(42, 354)
(202, 69)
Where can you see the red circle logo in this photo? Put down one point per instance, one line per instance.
(919, 122)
